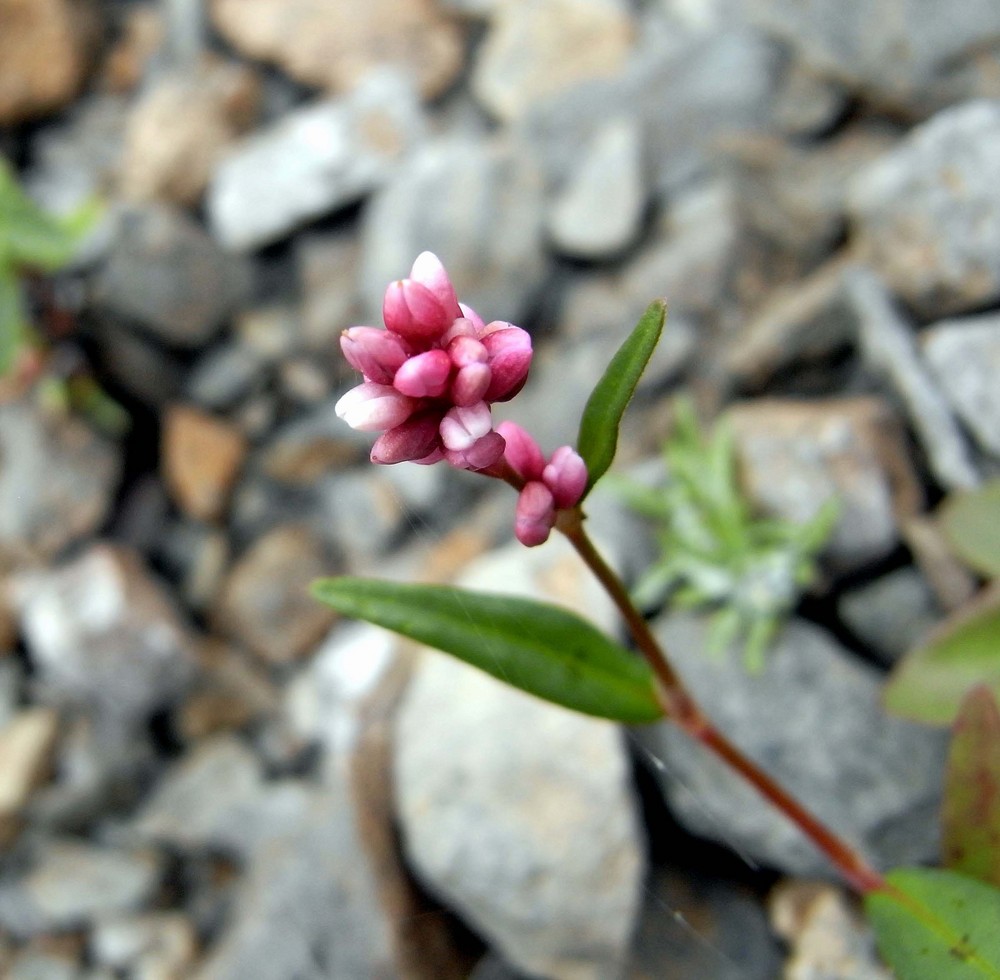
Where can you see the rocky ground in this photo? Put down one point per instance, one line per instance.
(202, 773)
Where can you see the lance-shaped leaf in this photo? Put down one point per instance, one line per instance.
(971, 522)
(938, 926)
(970, 817)
(928, 684)
(602, 416)
(542, 649)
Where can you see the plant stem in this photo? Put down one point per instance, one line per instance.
(680, 707)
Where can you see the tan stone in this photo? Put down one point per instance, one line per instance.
(44, 55)
(331, 44)
(26, 744)
(826, 933)
(201, 456)
(140, 39)
(265, 601)
(537, 48)
(230, 692)
(180, 129)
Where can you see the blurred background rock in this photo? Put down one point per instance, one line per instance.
(202, 774)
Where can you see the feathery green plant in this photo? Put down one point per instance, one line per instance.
(715, 551)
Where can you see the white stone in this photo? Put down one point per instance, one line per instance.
(314, 160)
(599, 212)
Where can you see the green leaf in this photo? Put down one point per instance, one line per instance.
(939, 926)
(970, 818)
(602, 416)
(28, 236)
(971, 522)
(930, 682)
(14, 332)
(542, 649)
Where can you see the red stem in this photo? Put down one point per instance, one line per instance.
(680, 707)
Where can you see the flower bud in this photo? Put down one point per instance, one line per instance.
(464, 351)
(470, 384)
(461, 327)
(414, 312)
(425, 375)
(535, 514)
(482, 453)
(416, 438)
(522, 452)
(509, 359)
(566, 476)
(463, 426)
(472, 316)
(372, 407)
(429, 272)
(376, 353)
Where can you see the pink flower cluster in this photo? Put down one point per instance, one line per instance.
(430, 378)
(432, 374)
(549, 485)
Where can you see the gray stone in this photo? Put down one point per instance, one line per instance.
(214, 798)
(888, 346)
(79, 157)
(808, 321)
(892, 49)
(699, 927)
(496, 789)
(599, 211)
(224, 376)
(965, 358)
(813, 719)
(687, 94)
(168, 275)
(313, 161)
(795, 455)
(139, 364)
(927, 214)
(156, 945)
(103, 634)
(535, 50)
(99, 764)
(477, 205)
(892, 614)
(73, 884)
(317, 898)
(57, 477)
(797, 195)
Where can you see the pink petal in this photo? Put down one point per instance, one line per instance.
(424, 376)
(373, 407)
(522, 452)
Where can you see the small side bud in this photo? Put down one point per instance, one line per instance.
(566, 476)
(522, 452)
(482, 453)
(535, 514)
